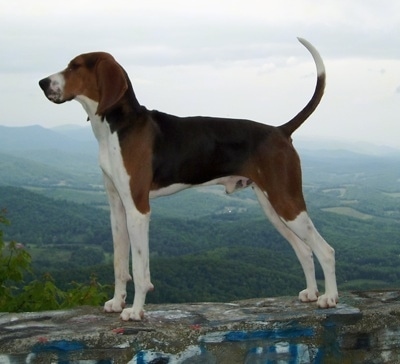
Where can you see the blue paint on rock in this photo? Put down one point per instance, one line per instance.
(289, 333)
(61, 347)
(58, 346)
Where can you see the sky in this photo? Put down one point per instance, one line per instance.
(226, 58)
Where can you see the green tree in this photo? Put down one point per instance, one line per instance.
(14, 261)
(39, 294)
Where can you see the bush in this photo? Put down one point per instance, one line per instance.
(39, 294)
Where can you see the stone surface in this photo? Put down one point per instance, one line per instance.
(364, 328)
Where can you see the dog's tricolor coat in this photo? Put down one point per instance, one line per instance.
(145, 154)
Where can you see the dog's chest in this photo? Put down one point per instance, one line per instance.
(110, 157)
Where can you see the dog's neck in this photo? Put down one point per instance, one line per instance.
(89, 105)
(124, 114)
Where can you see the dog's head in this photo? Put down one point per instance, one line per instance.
(95, 76)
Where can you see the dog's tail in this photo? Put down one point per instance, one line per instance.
(289, 127)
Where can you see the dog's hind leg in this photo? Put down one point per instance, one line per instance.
(303, 251)
(280, 183)
(121, 248)
(303, 227)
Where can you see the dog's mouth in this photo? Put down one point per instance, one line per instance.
(53, 94)
(55, 97)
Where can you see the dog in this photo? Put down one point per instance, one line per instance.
(146, 153)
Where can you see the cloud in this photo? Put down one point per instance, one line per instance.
(227, 57)
(188, 31)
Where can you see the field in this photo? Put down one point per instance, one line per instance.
(348, 211)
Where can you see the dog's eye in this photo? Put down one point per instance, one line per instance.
(73, 66)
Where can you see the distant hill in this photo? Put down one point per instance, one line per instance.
(56, 169)
(74, 148)
(62, 163)
(304, 143)
(36, 156)
(82, 133)
(36, 137)
(80, 139)
(20, 171)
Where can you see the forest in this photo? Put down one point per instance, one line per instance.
(204, 244)
(228, 254)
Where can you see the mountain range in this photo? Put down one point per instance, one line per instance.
(67, 155)
(80, 139)
(57, 205)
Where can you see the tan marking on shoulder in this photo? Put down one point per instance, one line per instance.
(136, 149)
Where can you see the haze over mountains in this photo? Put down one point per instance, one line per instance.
(66, 156)
(75, 138)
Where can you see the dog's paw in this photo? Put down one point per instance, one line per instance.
(308, 295)
(114, 305)
(132, 314)
(327, 300)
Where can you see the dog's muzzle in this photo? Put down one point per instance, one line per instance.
(52, 90)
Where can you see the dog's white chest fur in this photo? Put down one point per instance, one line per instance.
(110, 156)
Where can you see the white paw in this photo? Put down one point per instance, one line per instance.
(308, 295)
(132, 314)
(327, 300)
(114, 305)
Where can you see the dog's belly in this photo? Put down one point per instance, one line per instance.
(231, 183)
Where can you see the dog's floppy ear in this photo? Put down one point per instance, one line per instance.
(112, 84)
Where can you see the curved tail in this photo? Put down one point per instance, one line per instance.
(289, 127)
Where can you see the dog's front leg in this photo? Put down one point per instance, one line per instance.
(138, 227)
(121, 247)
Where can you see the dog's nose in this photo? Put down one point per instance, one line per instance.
(44, 84)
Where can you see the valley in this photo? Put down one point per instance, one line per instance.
(205, 245)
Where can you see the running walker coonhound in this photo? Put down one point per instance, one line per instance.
(145, 154)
